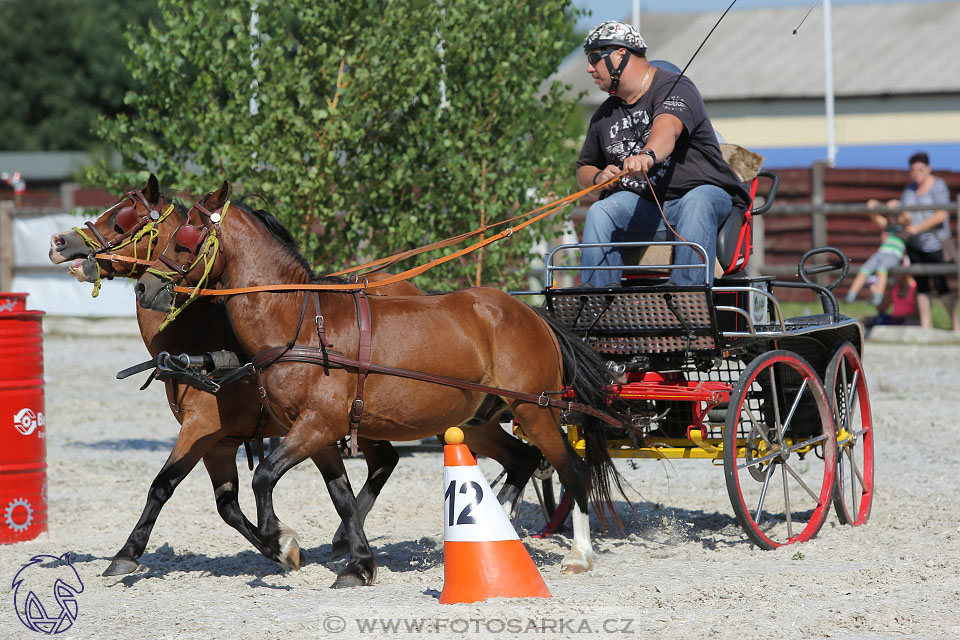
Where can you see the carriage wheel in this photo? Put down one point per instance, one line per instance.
(555, 504)
(779, 450)
(850, 404)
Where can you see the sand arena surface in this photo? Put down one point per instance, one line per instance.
(684, 569)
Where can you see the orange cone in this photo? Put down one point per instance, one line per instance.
(482, 553)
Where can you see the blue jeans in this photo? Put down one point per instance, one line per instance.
(626, 217)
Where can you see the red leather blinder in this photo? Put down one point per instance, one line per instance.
(188, 237)
(127, 218)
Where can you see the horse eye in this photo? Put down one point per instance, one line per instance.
(127, 218)
(188, 237)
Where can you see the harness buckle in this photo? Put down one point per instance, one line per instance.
(357, 410)
(543, 400)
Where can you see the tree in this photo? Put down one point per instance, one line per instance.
(385, 124)
(62, 63)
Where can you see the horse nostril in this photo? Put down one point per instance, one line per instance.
(139, 289)
(59, 242)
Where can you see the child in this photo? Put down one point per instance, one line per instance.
(889, 255)
(903, 296)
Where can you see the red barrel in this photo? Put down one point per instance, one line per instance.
(23, 444)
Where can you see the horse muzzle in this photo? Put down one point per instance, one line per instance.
(154, 294)
(67, 246)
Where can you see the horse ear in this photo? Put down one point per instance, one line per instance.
(152, 191)
(216, 199)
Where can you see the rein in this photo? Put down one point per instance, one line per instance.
(545, 210)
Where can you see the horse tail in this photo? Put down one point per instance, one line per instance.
(587, 374)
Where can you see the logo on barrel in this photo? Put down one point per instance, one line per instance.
(45, 594)
(26, 421)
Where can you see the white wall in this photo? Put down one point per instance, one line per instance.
(52, 289)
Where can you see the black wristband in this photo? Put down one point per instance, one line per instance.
(595, 176)
(650, 153)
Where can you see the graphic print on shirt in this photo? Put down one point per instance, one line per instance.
(628, 135)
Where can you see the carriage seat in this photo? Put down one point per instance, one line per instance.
(734, 237)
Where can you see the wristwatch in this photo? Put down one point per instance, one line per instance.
(650, 153)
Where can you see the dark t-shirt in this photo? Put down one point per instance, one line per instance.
(619, 130)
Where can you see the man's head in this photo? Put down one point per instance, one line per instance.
(613, 42)
(919, 167)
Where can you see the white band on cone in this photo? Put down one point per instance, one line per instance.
(475, 515)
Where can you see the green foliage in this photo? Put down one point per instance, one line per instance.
(384, 124)
(62, 64)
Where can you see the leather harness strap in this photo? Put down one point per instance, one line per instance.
(363, 364)
(334, 359)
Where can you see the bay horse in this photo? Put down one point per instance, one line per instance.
(212, 427)
(481, 336)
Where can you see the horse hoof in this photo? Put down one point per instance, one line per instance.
(289, 556)
(121, 567)
(573, 566)
(347, 580)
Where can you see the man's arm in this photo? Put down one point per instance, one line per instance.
(664, 133)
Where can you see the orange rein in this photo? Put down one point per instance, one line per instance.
(547, 209)
(113, 257)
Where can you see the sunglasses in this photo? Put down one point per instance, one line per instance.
(596, 56)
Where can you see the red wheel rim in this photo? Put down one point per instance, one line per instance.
(779, 437)
(850, 405)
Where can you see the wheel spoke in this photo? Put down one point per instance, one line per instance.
(856, 470)
(808, 443)
(786, 500)
(776, 403)
(758, 426)
(763, 495)
(793, 408)
(543, 506)
(755, 461)
(816, 498)
(853, 483)
(850, 396)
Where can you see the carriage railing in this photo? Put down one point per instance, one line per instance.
(697, 319)
(550, 268)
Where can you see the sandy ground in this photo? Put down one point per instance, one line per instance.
(684, 569)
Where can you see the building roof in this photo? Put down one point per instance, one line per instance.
(878, 49)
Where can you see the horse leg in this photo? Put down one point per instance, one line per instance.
(518, 459)
(381, 460)
(540, 425)
(281, 540)
(221, 464)
(190, 447)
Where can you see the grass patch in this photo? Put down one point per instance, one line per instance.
(860, 310)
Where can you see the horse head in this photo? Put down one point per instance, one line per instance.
(190, 256)
(130, 228)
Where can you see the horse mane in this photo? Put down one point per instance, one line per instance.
(282, 235)
(171, 197)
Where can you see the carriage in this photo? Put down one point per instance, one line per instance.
(718, 373)
(714, 373)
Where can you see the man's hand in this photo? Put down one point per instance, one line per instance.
(638, 164)
(606, 173)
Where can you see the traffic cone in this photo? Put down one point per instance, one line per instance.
(482, 553)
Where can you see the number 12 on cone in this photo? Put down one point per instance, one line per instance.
(471, 511)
